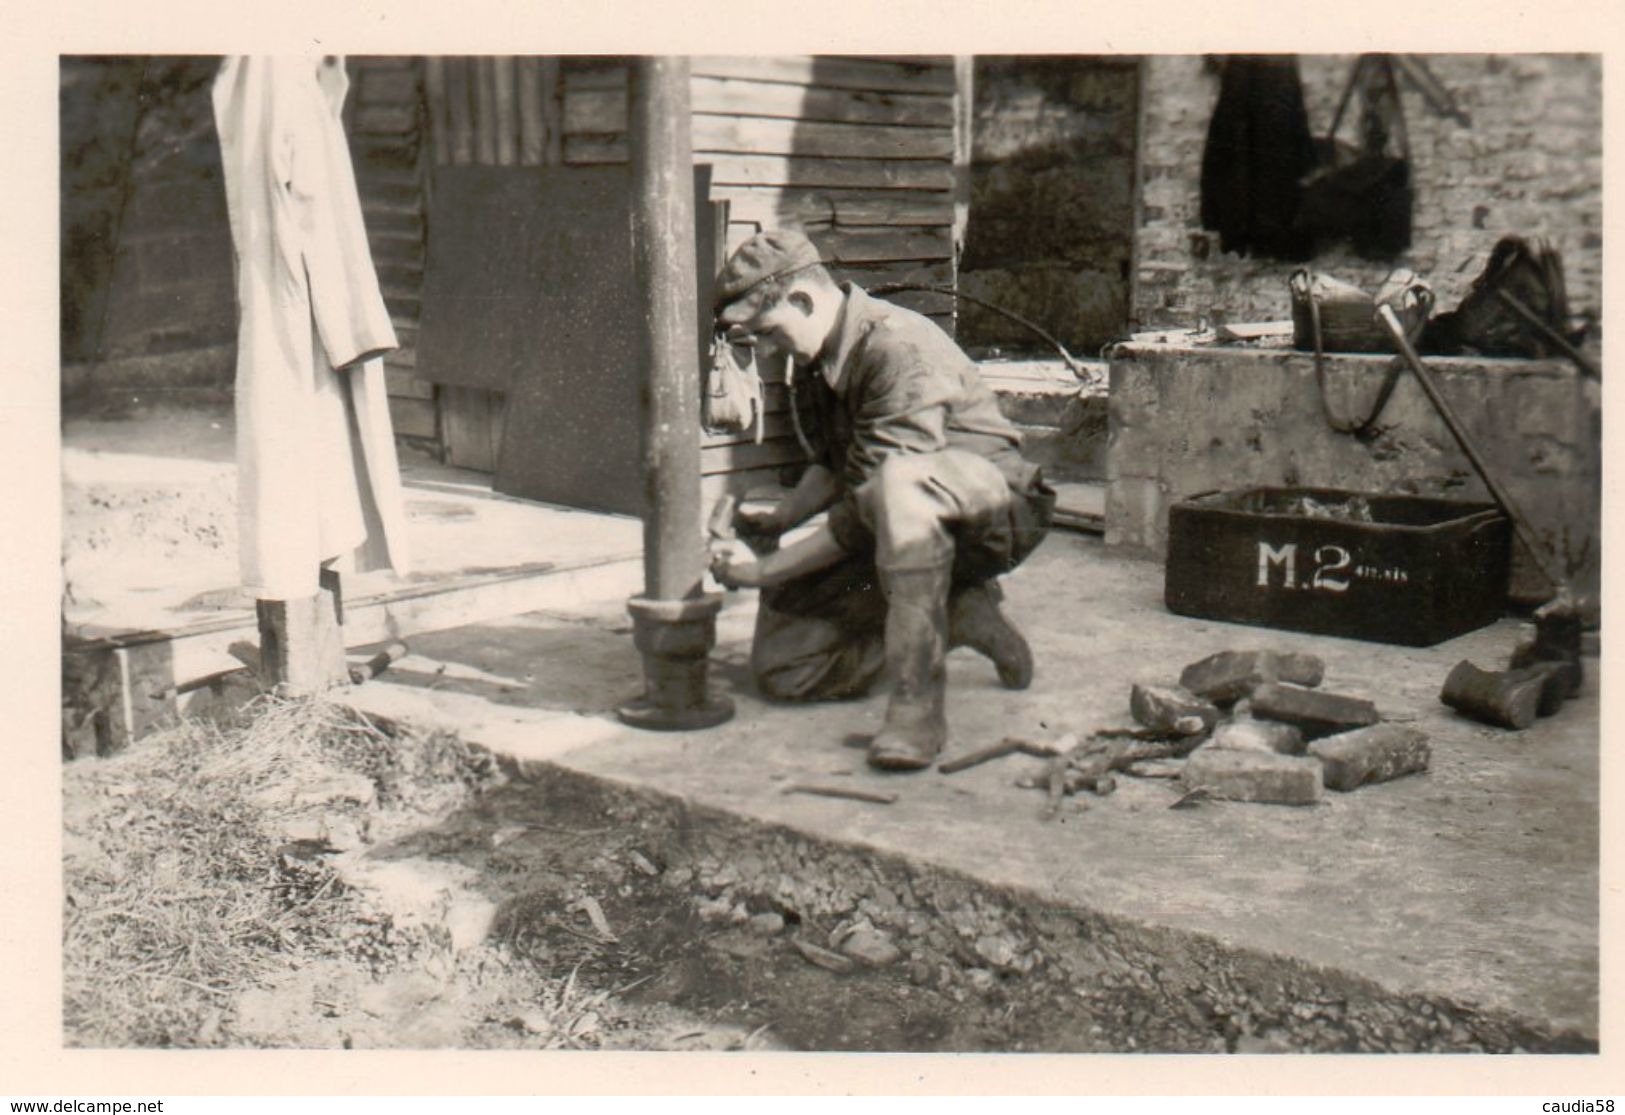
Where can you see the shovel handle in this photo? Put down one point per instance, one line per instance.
(1502, 498)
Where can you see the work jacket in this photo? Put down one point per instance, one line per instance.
(896, 383)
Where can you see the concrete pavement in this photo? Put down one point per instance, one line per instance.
(1460, 907)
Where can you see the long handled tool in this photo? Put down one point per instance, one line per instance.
(1543, 556)
(1553, 337)
(1510, 699)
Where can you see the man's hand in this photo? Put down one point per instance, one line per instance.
(734, 566)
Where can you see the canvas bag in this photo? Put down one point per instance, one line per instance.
(1361, 194)
(1330, 315)
(733, 389)
(1531, 273)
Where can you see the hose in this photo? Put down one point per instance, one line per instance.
(1071, 362)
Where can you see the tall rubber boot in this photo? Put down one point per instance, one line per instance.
(916, 644)
(976, 621)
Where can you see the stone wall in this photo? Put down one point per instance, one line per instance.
(1049, 234)
(146, 247)
(1190, 419)
(1531, 163)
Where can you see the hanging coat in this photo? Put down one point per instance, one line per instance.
(317, 473)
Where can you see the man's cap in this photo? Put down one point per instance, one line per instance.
(771, 254)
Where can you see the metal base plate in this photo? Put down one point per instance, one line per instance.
(643, 713)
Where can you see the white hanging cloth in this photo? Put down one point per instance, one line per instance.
(318, 475)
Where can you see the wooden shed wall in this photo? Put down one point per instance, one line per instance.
(858, 152)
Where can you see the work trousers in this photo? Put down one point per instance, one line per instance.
(821, 637)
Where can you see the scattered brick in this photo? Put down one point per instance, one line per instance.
(1379, 753)
(1254, 776)
(1509, 699)
(1172, 710)
(1314, 713)
(1247, 734)
(1230, 675)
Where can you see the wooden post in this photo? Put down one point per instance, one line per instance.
(434, 86)
(964, 130)
(507, 125)
(552, 113)
(459, 74)
(532, 126)
(663, 254)
(302, 641)
(674, 620)
(485, 117)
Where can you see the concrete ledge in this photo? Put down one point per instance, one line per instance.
(1063, 420)
(1185, 419)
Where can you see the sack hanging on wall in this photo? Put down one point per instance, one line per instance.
(733, 389)
(1359, 193)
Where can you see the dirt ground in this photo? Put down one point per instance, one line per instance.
(291, 875)
(229, 884)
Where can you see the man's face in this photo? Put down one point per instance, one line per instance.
(790, 326)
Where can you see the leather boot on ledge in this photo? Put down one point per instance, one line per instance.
(975, 621)
(916, 727)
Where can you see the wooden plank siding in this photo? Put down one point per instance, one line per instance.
(857, 151)
(383, 124)
(501, 111)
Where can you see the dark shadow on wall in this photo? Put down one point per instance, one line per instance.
(1050, 231)
(146, 267)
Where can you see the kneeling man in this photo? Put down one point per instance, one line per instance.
(928, 495)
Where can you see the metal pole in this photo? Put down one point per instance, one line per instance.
(663, 253)
(1503, 498)
(674, 621)
(1552, 336)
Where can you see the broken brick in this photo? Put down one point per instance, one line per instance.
(1247, 734)
(1253, 776)
(1559, 682)
(1379, 753)
(1511, 699)
(1314, 713)
(1172, 710)
(1230, 675)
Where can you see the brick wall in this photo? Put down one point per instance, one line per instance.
(1531, 162)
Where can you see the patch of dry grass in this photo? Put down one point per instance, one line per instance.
(179, 890)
